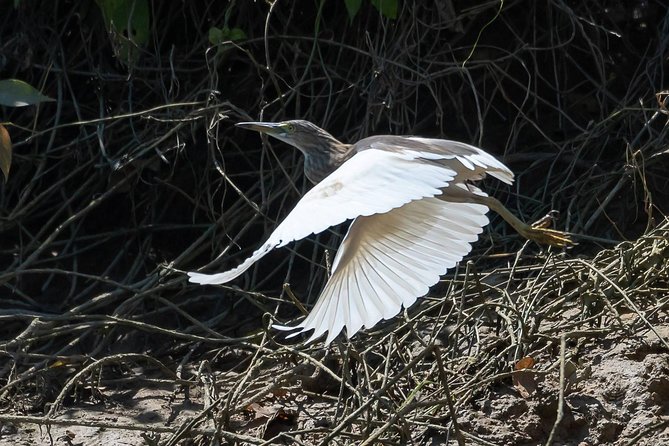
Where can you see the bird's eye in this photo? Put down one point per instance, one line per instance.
(290, 128)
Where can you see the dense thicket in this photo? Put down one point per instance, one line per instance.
(137, 170)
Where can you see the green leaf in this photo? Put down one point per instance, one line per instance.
(215, 35)
(218, 35)
(237, 34)
(16, 93)
(127, 22)
(5, 151)
(387, 8)
(352, 6)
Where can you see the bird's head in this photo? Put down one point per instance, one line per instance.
(307, 137)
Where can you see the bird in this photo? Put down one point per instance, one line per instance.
(415, 211)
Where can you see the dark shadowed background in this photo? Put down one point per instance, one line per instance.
(136, 171)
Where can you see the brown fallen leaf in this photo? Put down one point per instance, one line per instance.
(258, 414)
(280, 392)
(525, 363)
(5, 152)
(283, 420)
(257, 410)
(524, 378)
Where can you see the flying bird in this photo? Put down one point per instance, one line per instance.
(415, 214)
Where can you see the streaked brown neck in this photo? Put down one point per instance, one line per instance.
(320, 164)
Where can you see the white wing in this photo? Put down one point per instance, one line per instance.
(371, 182)
(388, 260)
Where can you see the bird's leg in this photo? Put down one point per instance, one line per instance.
(535, 233)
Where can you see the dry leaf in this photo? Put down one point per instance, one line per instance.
(281, 421)
(257, 410)
(570, 369)
(5, 152)
(524, 379)
(525, 363)
(280, 392)
(258, 414)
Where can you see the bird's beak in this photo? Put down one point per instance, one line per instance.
(263, 127)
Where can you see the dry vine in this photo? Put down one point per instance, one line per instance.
(136, 174)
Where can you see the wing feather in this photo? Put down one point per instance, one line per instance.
(476, 161)
(371, 182)
(388, 260)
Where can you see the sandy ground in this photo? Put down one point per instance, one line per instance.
(616, 392)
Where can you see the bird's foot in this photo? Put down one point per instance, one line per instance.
(540, 232)
(547, 236)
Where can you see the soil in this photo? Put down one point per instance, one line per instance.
(619, 390)
(616, 393)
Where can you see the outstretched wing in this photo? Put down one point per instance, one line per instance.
(388, 260)
(371, 182)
